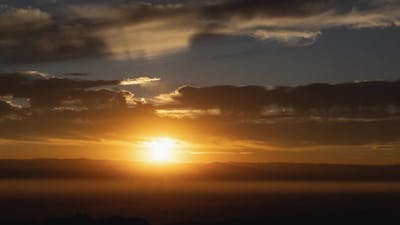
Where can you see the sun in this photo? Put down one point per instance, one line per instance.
(161, 149)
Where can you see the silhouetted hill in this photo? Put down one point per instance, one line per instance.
(81, 168)
(81, 219)
(329, 219)
(316, 219)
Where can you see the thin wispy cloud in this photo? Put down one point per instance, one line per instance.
(139, 80)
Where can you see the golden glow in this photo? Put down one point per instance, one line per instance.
(161, 150)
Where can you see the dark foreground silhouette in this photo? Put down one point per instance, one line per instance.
(81, 219)
(332, 219)
(37, 192)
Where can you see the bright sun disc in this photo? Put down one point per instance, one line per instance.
(161, 149)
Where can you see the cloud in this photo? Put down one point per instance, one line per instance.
(356, 114)
(246, 98)
(29, 18)
(17, 103)
(48, 39)
(369, 99)
(148, 30)
(29, 75)
(44, 91)
(76, 74)
(288, 36)
(187, 113)
(139, 80)
(5, 107)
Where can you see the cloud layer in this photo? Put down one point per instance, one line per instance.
(131, 29)
(347, 99)
(34, 106)
(50, 92)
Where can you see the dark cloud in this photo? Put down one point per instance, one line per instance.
(5, 108)
(131, 29)
(65, 108)
(94, 124)
(45, 91)
(297, 133)
(247, 98)
(351, 99)
(76, 74)
(255, 8)
(287, 8)
(51, 43)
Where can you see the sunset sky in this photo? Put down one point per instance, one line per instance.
(200, 81)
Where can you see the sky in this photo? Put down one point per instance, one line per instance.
(225, 80)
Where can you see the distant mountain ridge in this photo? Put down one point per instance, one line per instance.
(83, 168)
